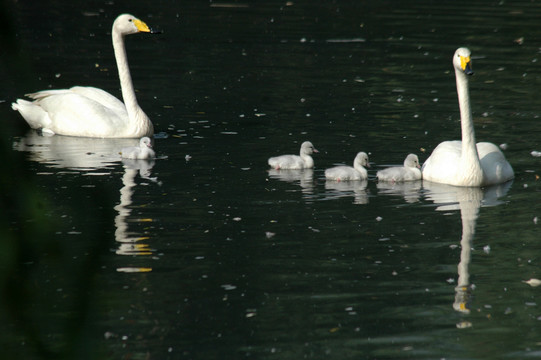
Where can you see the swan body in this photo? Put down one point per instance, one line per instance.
(348, 173)
(295, 162)
(465, 163)
(411, 171)
(142, 152)
(89, 111)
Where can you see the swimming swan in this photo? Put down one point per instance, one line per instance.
(347, 173)
(411, 171)
(296, 162)
(462, 163)
(142, 152)
(89, 111)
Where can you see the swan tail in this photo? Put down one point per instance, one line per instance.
(45, 93)
(33, 114)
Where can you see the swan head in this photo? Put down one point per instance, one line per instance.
(145, 142)
(127, 24)
(462, 60)
(361, 159)
(307, 148)
(412, 161)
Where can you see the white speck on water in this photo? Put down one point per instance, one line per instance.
(504, 146)
(535, 220)
(269, 234)
(228, 287)
(379, 218)
(237, 219)
(536, 153)
(486, 249)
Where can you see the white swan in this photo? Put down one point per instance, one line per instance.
(141, 152)
(88, 111)
(296, 162)
(462, 163)
(411, 171)
(347, 173)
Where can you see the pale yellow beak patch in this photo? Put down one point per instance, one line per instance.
(141, 26)
(464, 61)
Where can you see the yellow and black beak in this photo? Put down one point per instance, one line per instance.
(465, 63)
(143, 27)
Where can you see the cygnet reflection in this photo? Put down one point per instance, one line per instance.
(304, 177)
(339, 189)
(409, 190)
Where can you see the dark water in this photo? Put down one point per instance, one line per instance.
(204, 253)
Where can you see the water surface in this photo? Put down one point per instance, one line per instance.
(206, 253)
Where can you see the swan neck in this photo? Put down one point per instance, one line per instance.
(126, 84)
(308, 161)
(469, 148)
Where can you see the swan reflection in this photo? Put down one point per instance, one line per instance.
(71, 152)
(337, 189)
(468, 200)
(409, 190)
(131, 243)
(90, 154)
(304, 177)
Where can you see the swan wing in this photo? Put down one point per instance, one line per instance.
(399, 174)
(286, 162)
(442, 165)
(102, 97)
(69, 113)
(496, 169)
(342, 173)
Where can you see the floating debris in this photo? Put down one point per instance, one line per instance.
(464, 325)
(228, 287)
(536, 153)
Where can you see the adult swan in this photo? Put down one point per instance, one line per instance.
(462, 163)
(88, 111)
